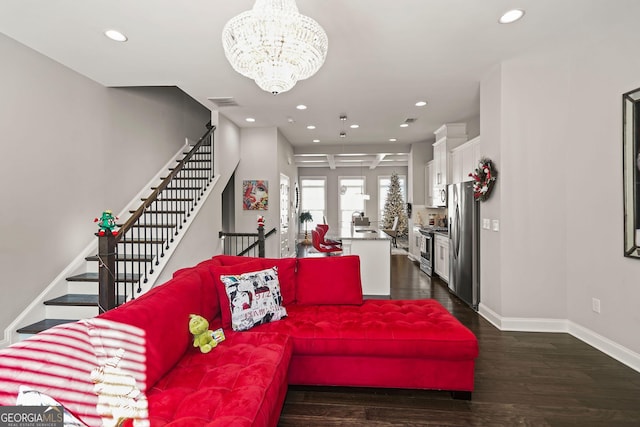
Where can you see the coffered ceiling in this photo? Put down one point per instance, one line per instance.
(383, 57)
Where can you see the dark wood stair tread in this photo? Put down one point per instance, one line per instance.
(42, 325)
(192, 169)
(93, 277)
(79, 300)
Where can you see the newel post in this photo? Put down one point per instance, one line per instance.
(261, 237)
(106, 272)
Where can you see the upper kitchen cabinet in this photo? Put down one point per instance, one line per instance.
(464, 160)
(429, 179)
(448, 137)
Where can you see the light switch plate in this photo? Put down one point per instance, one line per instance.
(495, 225)
(486, 223)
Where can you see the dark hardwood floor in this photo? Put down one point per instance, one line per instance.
(522, 379)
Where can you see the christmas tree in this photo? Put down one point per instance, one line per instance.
(394, 207)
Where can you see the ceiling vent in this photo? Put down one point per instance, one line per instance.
(224, 102)
(410, 120)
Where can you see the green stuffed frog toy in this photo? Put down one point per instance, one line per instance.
(202, 336)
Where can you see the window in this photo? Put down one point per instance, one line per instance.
(313, 198)
(383, 187)
(351, 200)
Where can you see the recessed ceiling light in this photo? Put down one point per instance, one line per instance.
(343, 134)
(404, 125)
(311, 127)
(316, 140)
(392, 139)
(354, 126)
(511, 16)
(250, 119)
(421, 103)
(301, 107)
(115, 35)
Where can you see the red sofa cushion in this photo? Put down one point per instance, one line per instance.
(391, 328)
(163, 315)
(241, 382)
(205, 264)
(329, 280)
(210, 300)
(286, 272)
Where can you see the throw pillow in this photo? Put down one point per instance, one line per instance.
(286, 272)
(254, 298)
(329, 280)
(217, 272)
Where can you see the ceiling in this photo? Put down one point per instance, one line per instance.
(383, 57)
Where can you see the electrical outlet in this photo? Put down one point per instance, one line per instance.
(486, 223)
(595, 305)
(496, 225)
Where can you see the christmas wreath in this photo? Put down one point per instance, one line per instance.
(483, 179)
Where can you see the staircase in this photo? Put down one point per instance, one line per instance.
(142, 242)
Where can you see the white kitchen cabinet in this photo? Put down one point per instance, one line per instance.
(456, 165)
(428, 183)
(441, 262)
(464, 160)
(448, 137)
(440, 161)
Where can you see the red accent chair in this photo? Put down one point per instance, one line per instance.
(316, 240)
(322, 230)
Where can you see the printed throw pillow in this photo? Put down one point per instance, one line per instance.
(254, 298)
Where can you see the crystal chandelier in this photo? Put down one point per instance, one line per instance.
(274, 45)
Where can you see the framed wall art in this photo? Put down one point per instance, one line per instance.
(255, 195)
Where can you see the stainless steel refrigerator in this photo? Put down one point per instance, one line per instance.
(464, 243)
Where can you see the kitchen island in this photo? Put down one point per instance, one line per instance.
(373, 246)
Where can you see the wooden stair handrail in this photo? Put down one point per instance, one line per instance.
(164, 184)
(107, 243)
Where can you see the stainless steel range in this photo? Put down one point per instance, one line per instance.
(426, 251)
(426, 248)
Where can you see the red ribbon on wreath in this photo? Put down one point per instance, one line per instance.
(484, 178)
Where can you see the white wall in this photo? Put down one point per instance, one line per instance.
(72, 148)
(533, 178)
(490, 242)
(556, 112)
(259, 154)
(420, 154)
(265, 154)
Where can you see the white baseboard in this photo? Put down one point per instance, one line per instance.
(605, 345)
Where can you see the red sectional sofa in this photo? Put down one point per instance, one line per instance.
(330, 336)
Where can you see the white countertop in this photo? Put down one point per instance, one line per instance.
(362, 233)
